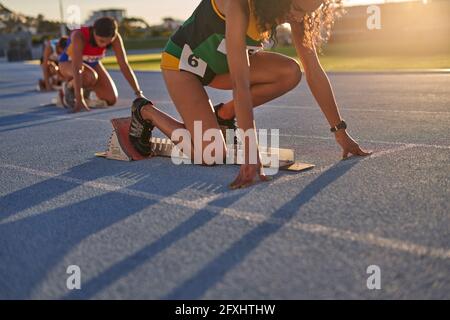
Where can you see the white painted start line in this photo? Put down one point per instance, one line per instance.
(253, 217)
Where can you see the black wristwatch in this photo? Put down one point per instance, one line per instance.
(340, 126)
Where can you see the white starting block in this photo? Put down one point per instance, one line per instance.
(121, 149)
(58, 100)
(93, 103)
(96, 103)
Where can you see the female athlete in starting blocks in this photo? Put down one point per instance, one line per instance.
(83, 71)
(220, 46)
(49, 63)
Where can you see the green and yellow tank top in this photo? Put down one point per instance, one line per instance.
(199, 46)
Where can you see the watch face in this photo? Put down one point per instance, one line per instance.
(341, 125)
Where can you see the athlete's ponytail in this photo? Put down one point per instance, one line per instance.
(62, 43)
(268, 14)
(317, 25)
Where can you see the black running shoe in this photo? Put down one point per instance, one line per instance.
(87, 94)
(140, 129)
(69, 96)
(225, 124)
(41, 85)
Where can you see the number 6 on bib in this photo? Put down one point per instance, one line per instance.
(189, 62)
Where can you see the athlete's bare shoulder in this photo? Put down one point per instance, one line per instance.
(77, 35)
(223, 5)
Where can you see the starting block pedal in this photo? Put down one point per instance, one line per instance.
(91, 103)
(120, 148)
(58, 100)
(96, 103)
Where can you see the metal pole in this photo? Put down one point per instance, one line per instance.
(61, 14)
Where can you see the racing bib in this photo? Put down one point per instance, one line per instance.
(189, 62)
(93, 59)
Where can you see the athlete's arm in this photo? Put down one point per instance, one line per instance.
(322, 91)
(121, 57)
(316, 77)
(77, 67)
(237, 13)
(45, 65)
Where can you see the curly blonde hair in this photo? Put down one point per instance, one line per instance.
(317, 25)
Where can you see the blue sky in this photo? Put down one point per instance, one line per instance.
(151, 10)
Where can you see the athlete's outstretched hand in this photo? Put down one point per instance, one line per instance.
(249, 175)
(81, 106)
(349, 145)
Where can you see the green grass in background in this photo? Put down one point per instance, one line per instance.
(139, 62)
(330, 61)
(145, 44)
(345, 58)
(349, 56)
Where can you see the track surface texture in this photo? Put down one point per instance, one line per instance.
(154, 230)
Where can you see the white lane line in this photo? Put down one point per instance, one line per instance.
(423, 145)
(91, 119)
(61, 200)
(12, 112)
(257, 218)
(365, 238)
(49, 119)
(197, 204)
(389, 151)
(281, 135)
(377, 154)
(281, 106)
(271, 106)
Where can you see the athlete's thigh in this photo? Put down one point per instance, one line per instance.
(53, 67)
(65, 68)
(89, 74)
(265, 67)
(191, 100)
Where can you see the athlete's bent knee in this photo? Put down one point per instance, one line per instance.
(293, 73)
(111, 101)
